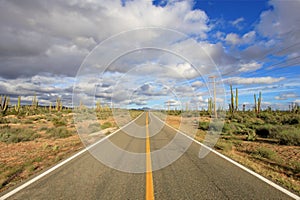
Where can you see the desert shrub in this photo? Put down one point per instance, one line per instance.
(227, 128)
(263, 131)
(103, 115)
(15, 135)
(59, 121)
(238, 128)
(106, 125)
(251, 135)
(59, 132)
(266, 153)
(43, 128)
(267, 130)
(224, 145)
(94, 127)
(296, 165)
(268, 117)
(3, 120)
(13, 120)
(216, 126)
(203, 125)
(174, 112)
(237, 118)
(288, 136)
(291, 121)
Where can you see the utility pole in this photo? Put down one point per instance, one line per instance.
(214, 88)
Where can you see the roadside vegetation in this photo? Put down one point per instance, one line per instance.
(34, 137)
(266, 141)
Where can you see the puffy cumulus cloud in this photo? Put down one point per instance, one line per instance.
(235, 39)
(46, 88)
(197, 84)
(173, 103)
(183, 70)
(281, 19)
(148, 89)
(256, 80)
(297, 101)
(286, 96)
(44, 35)
(237, 21)
(281, 25)
(251, 66)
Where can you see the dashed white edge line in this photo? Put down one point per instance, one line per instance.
(26, 184)
(285, 191)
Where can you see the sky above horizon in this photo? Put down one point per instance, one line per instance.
(253, 45)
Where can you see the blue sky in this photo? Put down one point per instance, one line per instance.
(253, 44)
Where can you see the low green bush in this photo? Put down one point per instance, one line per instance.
(204, 126)
(266, 153)
(15, 135)
(216, 126)
(106, 125)
(59, 121)
(251, 135)
(289, 136)
(94, 127)
(268, 117)
(59, 132)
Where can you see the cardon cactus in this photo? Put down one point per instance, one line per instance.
(18, 105)
(58, 105)
(255, 105)
(4, 104)
(259, 103)
(236, 99)
(35, 103)
(231, 100)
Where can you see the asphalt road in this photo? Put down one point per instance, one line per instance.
(189, 177)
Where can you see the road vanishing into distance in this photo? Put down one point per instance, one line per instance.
(189, 177)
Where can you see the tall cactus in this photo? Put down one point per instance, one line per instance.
(231, 100)
(18, 105)
(98, 106)
(58, 105)
(255, 104)
(259, 103)
(236, 99)
(35, 102)
(4, 104)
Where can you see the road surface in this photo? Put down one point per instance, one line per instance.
(189, 177)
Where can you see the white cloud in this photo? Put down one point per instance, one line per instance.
(235, 39)
(297, 101)
(197, 84)
(281, 24)
(248, 37)
(286, 96)
(172, 103)
(49, 36)
(256, 80)
(252, 66)
(237, 21)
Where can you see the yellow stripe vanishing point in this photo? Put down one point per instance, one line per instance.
(149, 178)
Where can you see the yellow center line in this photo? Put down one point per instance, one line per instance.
(149, 178)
